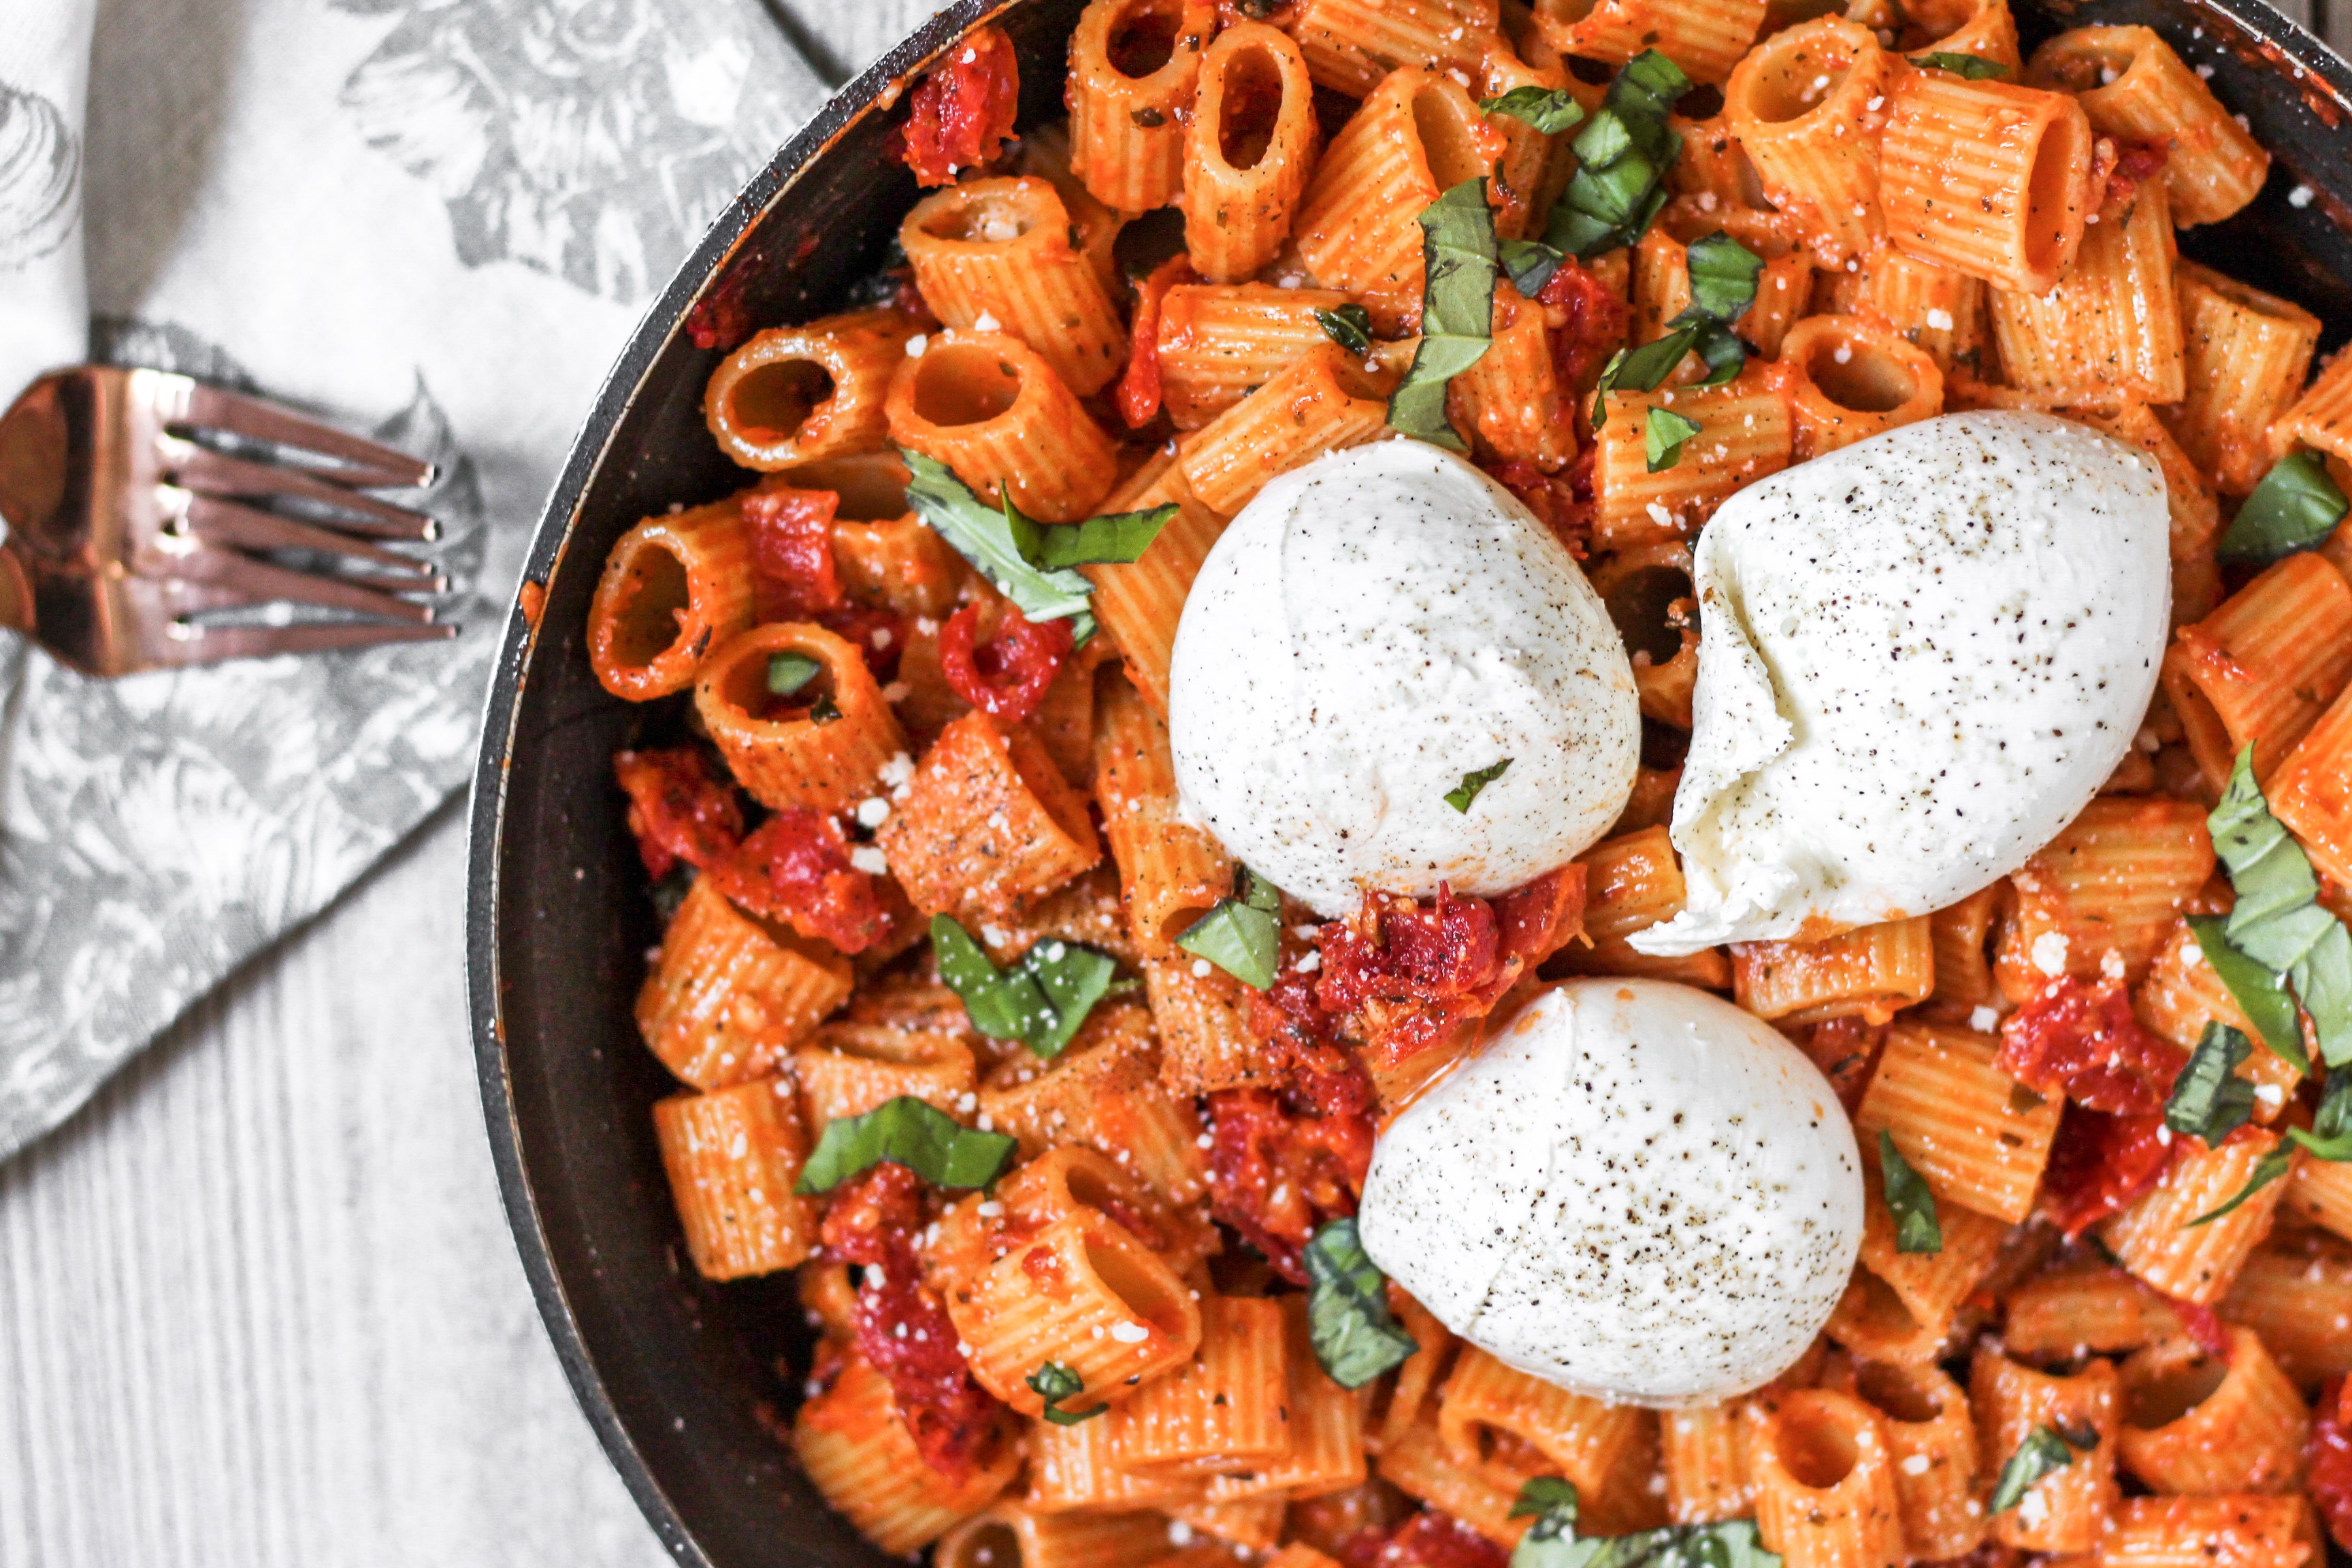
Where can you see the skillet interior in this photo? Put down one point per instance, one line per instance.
(681, 1379)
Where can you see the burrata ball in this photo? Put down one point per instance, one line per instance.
(1635, 1191)
(1371, 630)
(1919, 657)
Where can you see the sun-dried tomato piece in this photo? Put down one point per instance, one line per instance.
(1592, 326)
(791, 552)
(1846, 1050)
(1564, 502)
(1433, 1540)
(1276, 1174)
(962, 113)
(2327, 1460)
(678, 809)
(901, 1328)
(2079, 1038)
(1537, 919)
(2100, 1164)
(1407, 975)
(1139, 386)
(2130, 165)
(1007, 678)
(1302, 1046)
(877, 633)
(795, 867)
(2203, 1325)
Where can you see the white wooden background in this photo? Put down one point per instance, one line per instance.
(258, 1307)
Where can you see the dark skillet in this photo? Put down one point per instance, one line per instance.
(690, 1385)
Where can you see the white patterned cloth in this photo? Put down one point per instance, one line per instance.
(433, 221)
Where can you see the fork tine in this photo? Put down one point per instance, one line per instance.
(200, 468)
(208, 645)
(366, 464)
(223, 523)
(259, 582)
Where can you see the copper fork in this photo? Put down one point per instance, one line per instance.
(138, 501)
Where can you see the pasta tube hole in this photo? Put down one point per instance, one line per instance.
(2162, 1394)
(1143, 39)
(653, 607)
(964, 383)
(1148, 1294)
(743, 686)
(2055, 192)
(1898, 1391)
(986, 1544)
(1453, 135)
(1856, 374)
(1795, 79)
(1642, 604)
(769, 403)
(1816, 1446)
(1249, 104)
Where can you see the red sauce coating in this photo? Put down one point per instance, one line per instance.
(1564, 502)
(901, 1327)
(1591, 324)
(678, 809)
(1139, 386)
(2079, 1038)
(963, 110)
(1422, 967)
(1433, 1540)
(2099, 1165)
(858, 625)
(1007, 676)
(795, 867)
(1277, 1174)
(791, 552)
(1302, 1045)
(2327, 1458)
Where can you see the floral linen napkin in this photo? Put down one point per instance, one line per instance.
(433, 221)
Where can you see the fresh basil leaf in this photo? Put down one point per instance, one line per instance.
(1348, 1319)
(2208, 1099)
(1460, 797)
(1054, 1382)
(1549, 110)
(1242, 936)
(1457, 310)
(671, 890)
(1530, 264)
(1972, 67)
(993, 538)
(1662, 441)
(1734, 1543)
(2278, 920)
(910, 1132)
(1645, 368)
(825, 710)
(1622, 155)
(1114, 539)
(2295, 508)
(788, 672)
(1909, 1200)
(1042, 1001)
(2043, 1453)
(1723, 274)
(1349, 326)
(1544, 1496)
(2330, 1137)
(2261, 996)
(2268, 1169)
(1550, 1541)
(1650, 84)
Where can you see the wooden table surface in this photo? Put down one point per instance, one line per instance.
(258, 1307)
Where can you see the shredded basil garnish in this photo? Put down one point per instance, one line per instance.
(1624, 153)
(1243, 935)
(989, 537)
(788, 672)
(1041, 1001)
(2208, 1099)
(1551, 1539)
(910, 1132)
(2330, 1139)
(2295, 508)
(1457, 310)
(2045, 1451)
(823, 711)
(1460, 796)
(1054, 1382)
(2278, 920)
(1733, 1543)
(1723, 274)
(1663, 438)
(2261, 996)
(1348, 1319)
(1113, 539)
(1974, 67)
(1549, 110)
(1909, 1200)
(1530, 264)
(1349, 326)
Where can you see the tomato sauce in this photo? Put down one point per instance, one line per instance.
(791, 552)
(2100, 1164)
(1139, 387)
(2327, 1460)
(1277, 1174)
(795, 867)
(2079, 1038)
(1007, 676)
(678, 809)
(963, 110)
(1433, 1540)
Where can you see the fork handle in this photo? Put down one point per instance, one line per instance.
(15, 591)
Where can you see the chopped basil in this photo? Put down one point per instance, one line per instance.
(2267, 1169)
(1734, 1543)
(1041, 1001)
(1662, 441)
(1054, 1382)
(2296, 507)
(1460, 797)
(2261, 995)
(823, 711)
(788, 672)
(1549, 110)
(1723, 274)
(910, 1132)
(1349, 325)
(1114, 539)
(1551, 1539)
(1909, 1200)
(1622, 155)
(2278, 920)
(1348, 1319)
(1530, 264)
(989, 537)
(1974, 67)
(2208, 1099)
(2330, 1139)
(1243, 935)
(671, 890)
(2045, 1452)
(1457, 310)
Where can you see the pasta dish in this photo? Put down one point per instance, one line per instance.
(1567, 787)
